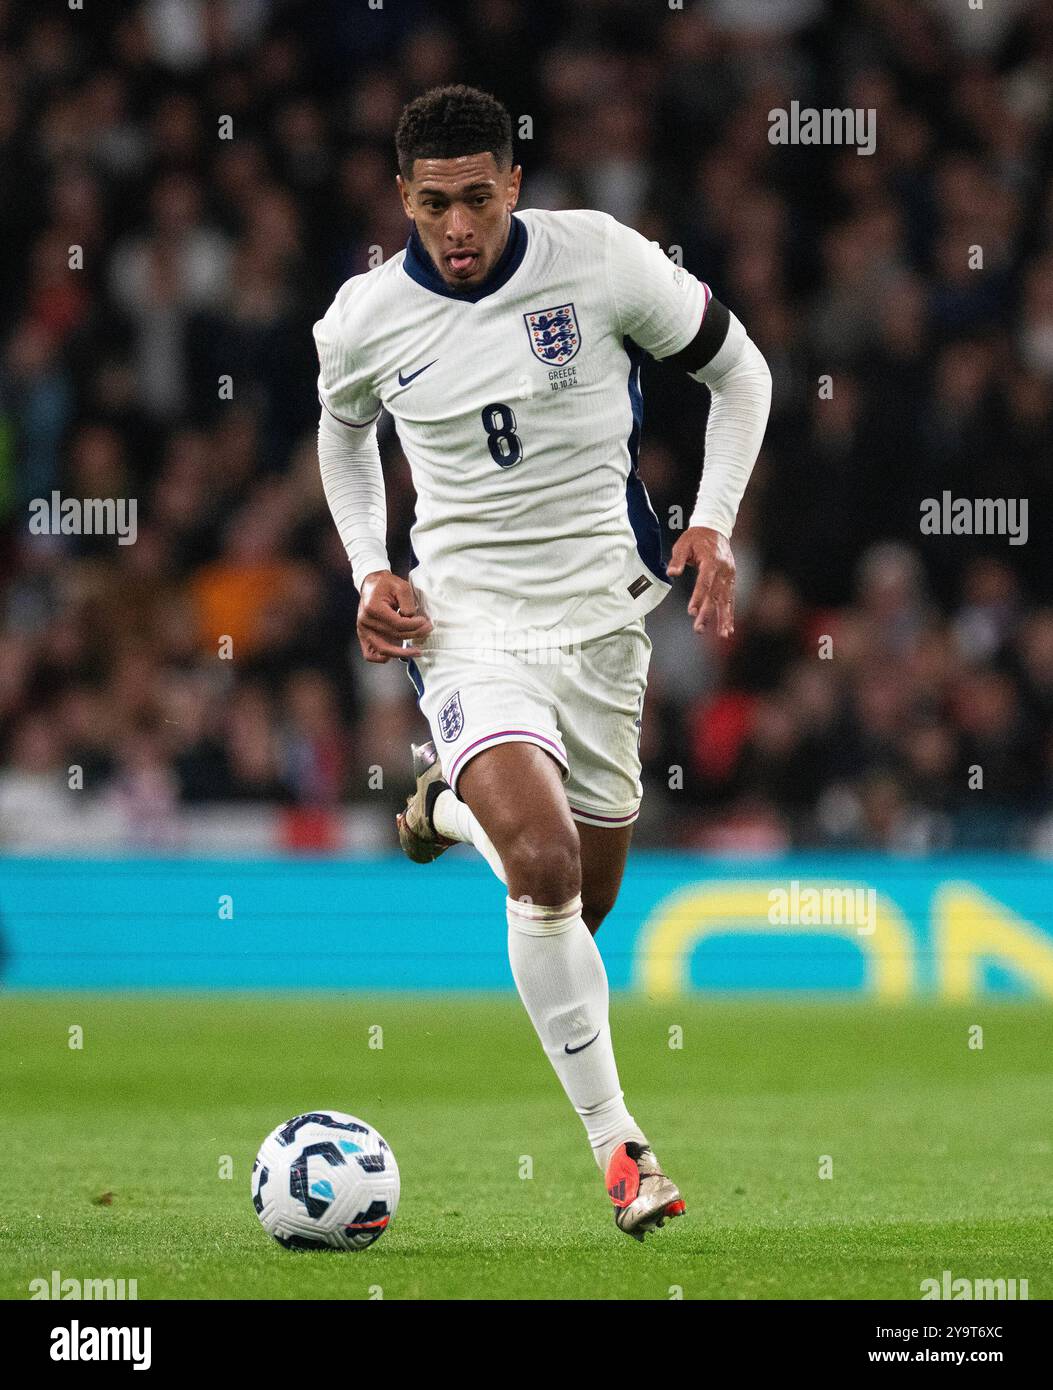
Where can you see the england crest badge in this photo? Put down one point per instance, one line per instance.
(451, 718)
(554, 334)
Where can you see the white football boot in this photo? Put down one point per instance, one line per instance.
(417, 834)
(644, 1198)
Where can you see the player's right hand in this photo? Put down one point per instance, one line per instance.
(387, 614)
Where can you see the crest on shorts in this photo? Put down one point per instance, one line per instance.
(451, 718)
(554, 334)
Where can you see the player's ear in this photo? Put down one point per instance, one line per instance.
(515, 178)
(404, 194)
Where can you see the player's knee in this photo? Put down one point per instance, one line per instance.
(544, 867)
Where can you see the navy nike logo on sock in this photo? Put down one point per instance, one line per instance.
(405, 380)
(567, 1047)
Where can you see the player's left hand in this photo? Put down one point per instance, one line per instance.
(710, 553)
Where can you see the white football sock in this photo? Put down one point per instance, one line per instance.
(455, 820)
(559, 973)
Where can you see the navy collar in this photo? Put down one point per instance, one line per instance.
(419, 266)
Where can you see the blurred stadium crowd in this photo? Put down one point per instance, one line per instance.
(873, 670)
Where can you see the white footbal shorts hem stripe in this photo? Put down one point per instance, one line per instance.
(603, 819)
(506, 735)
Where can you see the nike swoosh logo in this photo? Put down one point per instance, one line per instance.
(567, 1047)
(405, 380)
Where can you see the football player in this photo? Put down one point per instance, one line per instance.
(507, 347)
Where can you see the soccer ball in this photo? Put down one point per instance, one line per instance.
(325, 1181)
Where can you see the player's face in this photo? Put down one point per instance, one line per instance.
(462, 209)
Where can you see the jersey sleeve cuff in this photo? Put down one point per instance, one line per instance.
(351, 424)
(713, 519)
(366, 563)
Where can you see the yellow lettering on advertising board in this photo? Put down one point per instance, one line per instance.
(680, 922)
(969, 930)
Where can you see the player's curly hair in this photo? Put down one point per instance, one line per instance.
(451, 121)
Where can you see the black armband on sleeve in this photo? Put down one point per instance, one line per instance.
(707, 342)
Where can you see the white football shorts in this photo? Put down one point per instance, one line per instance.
(582, 703)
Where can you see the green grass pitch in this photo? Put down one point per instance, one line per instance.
(942, 1155)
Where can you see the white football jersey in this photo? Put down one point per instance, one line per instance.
(519, 411)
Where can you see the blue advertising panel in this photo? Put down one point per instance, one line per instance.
(889, 929)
